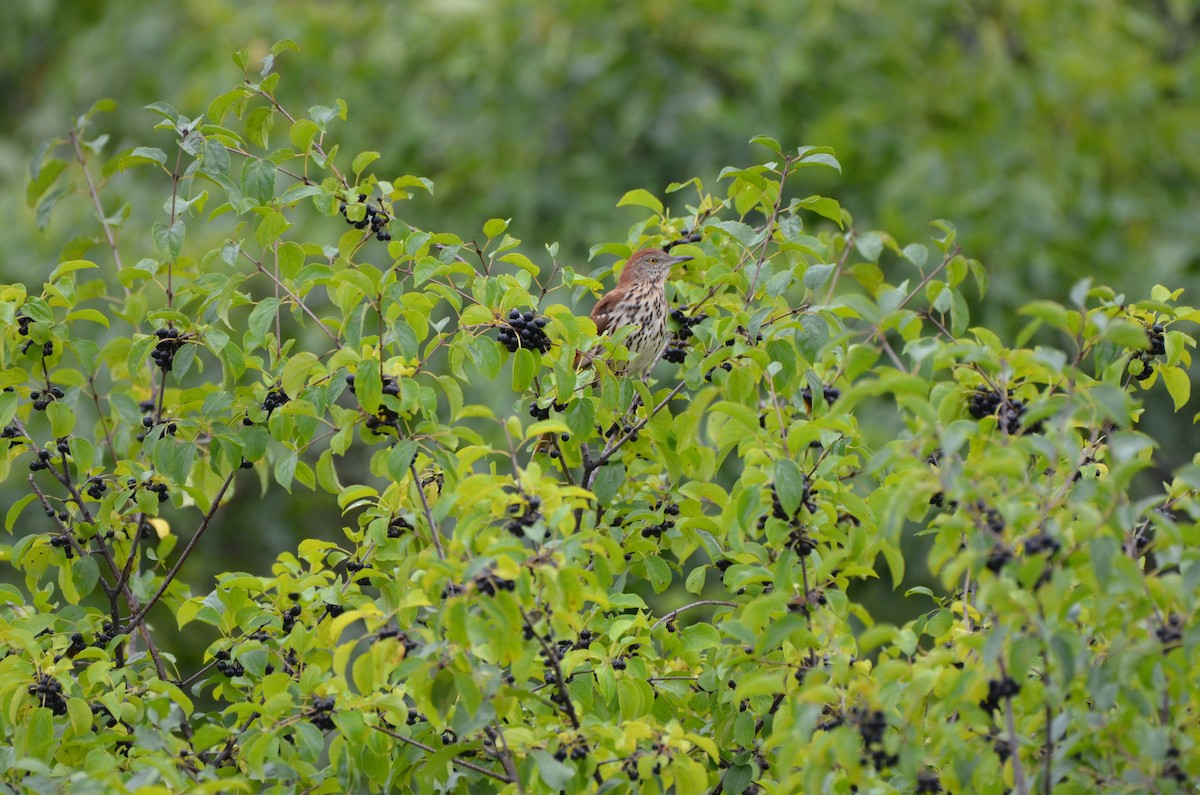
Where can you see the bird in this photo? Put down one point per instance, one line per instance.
(639, 299)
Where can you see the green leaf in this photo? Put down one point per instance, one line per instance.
(362, 160)
(400, 457)
(1179, 386)
(258, 180)
(608, 480)
(14, 511)
(495, 226)
(62, 418)
(641, 198)
(524, 367)
(85, 573)
(770, 143)
(169, 239)
(552, 772)
(789, 485)
(142, 155)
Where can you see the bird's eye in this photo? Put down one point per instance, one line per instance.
(652, 260)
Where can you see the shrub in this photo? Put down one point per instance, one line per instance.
(665, 605)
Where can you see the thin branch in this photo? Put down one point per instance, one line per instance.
(506, 758)
(87, 175)
(433, 531)
(589, 472)
(1020, 784)
(560, 683)
(303, 306)
(140, 616)
(700, 603)
(483, 771)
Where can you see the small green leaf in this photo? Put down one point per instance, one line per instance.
(789, 485)
(400, 457)
(14, 512)
(258, 180)
(362, 160)
(641, 198)
(1179, 386)
(495, 226)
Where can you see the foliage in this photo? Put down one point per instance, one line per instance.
(489, 621)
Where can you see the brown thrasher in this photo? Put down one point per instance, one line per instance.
(638, 300)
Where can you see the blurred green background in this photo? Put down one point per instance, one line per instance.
(1063, 138)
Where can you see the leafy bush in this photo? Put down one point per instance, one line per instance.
(664, 605)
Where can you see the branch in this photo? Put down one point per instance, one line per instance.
(140, 616)
(589, 470)
(700, 603)
(433, 531)
(559, 681)
(483, 771)
(108, 232)
(1020, 785)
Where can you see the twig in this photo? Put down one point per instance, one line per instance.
(140, 616)
(483, 771)
(700, 603)
(590, 469)
(87, 175)
(433, 531)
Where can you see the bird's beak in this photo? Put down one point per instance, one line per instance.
(677, 260)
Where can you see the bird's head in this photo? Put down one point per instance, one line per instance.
(650, 264)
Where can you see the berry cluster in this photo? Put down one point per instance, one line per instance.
(169, 343)
(777, 509)
(11, 431)
(1172, 770)
(99, 709)
(321, 713)
(1042, 543)
(1008, 410)
(274, 399)
(686, 323)
(1170, 634)
(148, 423)
(524, 330)
(63, 541)
(408, 643)
(49, 692)
(43, 399)
(160, 489)
(225, 666)
(543, 412)
(289, 617)
(398, 526)
(42, 462)
(676, 351)
(830, 393)
(677, 346)
(377, 219)
(691, 236)
(726, 366)
(385, 417)
(525, 514)
(1158, 347)
(998, 558)
(928, 782)
(577, 748)
(23, 322)
(96, 488)
(488, 583)
(871, 726)
(656, 530)
(76, 645)
(108, 632)
(998, 690)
